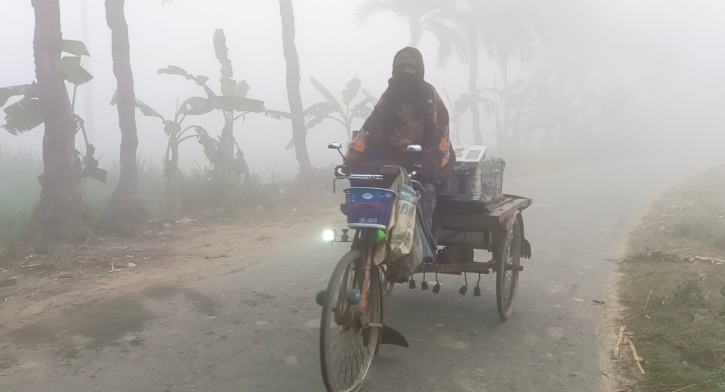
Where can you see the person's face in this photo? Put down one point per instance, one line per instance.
(407, 68)
(406, 62)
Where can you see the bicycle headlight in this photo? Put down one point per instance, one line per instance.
(328, 235)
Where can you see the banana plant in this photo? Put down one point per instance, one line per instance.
(27, 113)
(463, 105)
(177, 133)
(457, 111)
(330, 108)
(508, 107)
(231, 102)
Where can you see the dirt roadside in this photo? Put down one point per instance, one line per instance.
(34, 287)
(669, 296)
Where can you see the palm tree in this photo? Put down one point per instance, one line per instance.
(508, 32)
(468, 20)
(125, 207)
(430, 16)
(299, 131)
(457, 109)
(59, 211)
(88, 113)
(506, 29)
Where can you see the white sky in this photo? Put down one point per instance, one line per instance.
(670, 52)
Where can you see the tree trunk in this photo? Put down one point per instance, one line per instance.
(174, 181)
(88, 113)
(172, 174)
(227, 178)
(473, 92)
(299, 132)
(506, 125)
(59, 212)
(124, 207)
(415, 33)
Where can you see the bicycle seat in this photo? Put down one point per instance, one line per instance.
(390, 170)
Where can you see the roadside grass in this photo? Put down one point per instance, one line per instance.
(20, 191)
(673, 289)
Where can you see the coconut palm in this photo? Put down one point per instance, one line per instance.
(468, 20)
(59, 212)
(125, 207)
(423, 16)
(508, 34)
(506, 29)
(299, 131)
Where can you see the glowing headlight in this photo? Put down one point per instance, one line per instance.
(328, 236)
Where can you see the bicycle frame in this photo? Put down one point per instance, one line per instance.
(363, 240)
(365, 236)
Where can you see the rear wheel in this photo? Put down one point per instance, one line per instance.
(347, 342)
(507, 274)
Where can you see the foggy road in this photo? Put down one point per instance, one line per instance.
(254, 325)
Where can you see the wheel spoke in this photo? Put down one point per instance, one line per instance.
(507, 273)
(345, 357)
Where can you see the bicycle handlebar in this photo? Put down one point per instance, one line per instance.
(340, 174)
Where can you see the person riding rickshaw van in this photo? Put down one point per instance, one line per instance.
(410, 112)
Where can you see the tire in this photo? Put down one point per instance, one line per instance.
(349, 375)
(507, 279)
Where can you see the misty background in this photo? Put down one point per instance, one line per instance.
(657, 66)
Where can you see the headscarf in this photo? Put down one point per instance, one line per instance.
(410, 111)
(408, 88)
(418, 63)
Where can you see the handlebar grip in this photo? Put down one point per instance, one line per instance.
(340, 171)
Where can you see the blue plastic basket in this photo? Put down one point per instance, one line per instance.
(369, 208)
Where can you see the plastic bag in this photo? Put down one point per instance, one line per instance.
(400, 270)
(401, 226)
(401, 234)
(403, 251)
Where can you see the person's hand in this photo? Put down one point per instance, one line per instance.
(417, 168)
(341, 171)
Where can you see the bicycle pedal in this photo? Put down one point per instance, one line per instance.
(320, 297)
(463, 290)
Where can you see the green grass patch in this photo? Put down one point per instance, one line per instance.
(19, 189)
(676, 303)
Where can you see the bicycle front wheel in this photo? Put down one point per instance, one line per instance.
(347, 341)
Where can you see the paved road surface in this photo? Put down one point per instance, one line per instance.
(255, 329)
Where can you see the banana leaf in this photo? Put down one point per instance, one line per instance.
(146, 110)
(73, 71)
(23, 116)
(222, 54)
(12, 91)
(326, 93)
(238, 104)
(76, 48)
(196, 106)
(353, 88)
